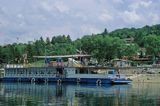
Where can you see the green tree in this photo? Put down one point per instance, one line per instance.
(53, 41)
(69, 40)
(152, 44)
(105, 32)
(30, 52)
(48, 41)
(130, 50)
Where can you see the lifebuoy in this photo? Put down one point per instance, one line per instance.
(129, 79)
(78, 80)
(33, 80)
(46, 80)
(98, 82)
(19, 79)
(59, 81)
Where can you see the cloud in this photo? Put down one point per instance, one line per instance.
(81, 16)
(20, 16)
(140, 4)
(155, 18)
(30, 19)
(61, 7)
(145, 3)
(118, 1)
(131, 17)
(47, 6)
(55, 6)
(90, 29)
(105, 16)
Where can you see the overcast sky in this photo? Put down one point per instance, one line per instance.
(27, 20)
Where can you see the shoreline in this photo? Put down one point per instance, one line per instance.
(145, 78)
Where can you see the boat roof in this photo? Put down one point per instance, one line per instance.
(63, 56)
(121, 60)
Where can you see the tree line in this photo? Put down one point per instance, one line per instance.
(104, 46)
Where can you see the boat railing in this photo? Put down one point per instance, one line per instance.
(23, 65)
(31, 75)
(86, 76)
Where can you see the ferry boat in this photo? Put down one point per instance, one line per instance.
(64, 74)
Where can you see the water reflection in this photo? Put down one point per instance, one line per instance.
(14, 94)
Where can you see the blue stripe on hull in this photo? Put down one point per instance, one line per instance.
(65, 80)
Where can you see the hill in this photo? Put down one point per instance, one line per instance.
(120, 43)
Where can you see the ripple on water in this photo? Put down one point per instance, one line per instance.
(19, 94)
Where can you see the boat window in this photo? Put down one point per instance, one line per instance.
(110, 72)
(83, 71)
(77, 71)
(93, 72)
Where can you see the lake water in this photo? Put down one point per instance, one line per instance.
(137, 94)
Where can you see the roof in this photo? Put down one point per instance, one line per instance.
(121, 60)
(63, 56)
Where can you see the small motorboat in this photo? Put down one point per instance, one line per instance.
(121, 81)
